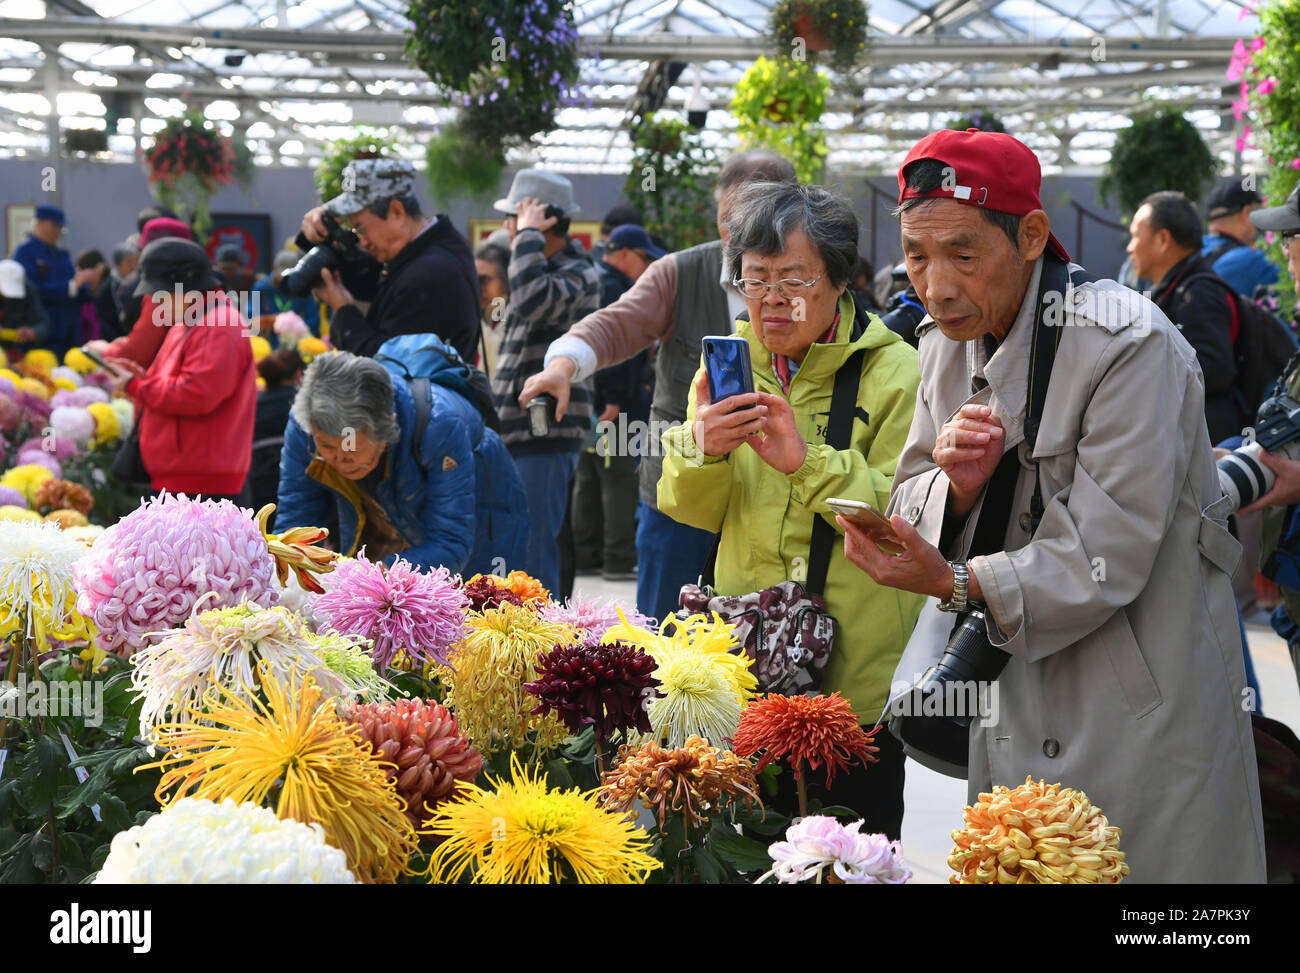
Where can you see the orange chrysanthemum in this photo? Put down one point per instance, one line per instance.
(813, 729)
(693, 780)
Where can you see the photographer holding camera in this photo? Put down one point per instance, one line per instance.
(418, 274)
(1079, 509)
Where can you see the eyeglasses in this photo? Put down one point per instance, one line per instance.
(1288, 237)
(791, 287)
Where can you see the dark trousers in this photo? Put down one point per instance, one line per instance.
(668, 555)
(604, 512)
(874, 792)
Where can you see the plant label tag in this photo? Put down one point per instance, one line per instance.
(81, 772)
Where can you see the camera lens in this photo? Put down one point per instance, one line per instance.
(299, 280)
(1243, 477)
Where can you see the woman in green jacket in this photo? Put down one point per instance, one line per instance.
(756, 467)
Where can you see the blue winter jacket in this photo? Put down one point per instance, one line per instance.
(468, 513)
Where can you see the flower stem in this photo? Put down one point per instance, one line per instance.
(802, 787)
(600, 759)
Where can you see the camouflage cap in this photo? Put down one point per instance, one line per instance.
(367, 181)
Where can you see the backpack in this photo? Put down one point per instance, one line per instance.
(1263, 346)
(419, 359)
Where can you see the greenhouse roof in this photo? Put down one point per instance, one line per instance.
(1063, 76)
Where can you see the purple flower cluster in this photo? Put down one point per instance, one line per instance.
(592, 618)
(399, 609)
(145, 573)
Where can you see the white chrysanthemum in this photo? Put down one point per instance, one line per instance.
(348, 657)
(818, 842)
(125, 412)
(195, 841)
(297, 599)
(36, 569)
(222, 646)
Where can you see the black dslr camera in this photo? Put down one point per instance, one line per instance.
(341, 246)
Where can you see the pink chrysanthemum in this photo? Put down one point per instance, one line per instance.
(592, 618)
(398, 609)
(145, 573)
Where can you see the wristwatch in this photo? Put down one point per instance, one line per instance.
(960, 582)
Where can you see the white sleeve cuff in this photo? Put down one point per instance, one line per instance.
(581, 353)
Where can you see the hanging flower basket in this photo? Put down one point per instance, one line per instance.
(188, 161)
(834, 27)
(364, 145)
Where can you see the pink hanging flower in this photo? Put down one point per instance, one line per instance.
(1256, 44)
(399, 609)
(1295, 163)
(1238, 109)
(1266, 86)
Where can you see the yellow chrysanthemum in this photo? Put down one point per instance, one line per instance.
(297, 752)
(64, 384)
(261, 347)
(486, 674)
(40, 361)
(704, 681)
(10, 512)
(79, 362)
(10, 374)
(522, 832)
(35, 386)
(310, 347)
(26, 479)
(108, 428)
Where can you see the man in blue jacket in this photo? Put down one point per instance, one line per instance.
(61, 288)
(1229, 244)
(350, 452)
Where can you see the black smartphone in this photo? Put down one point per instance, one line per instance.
(106, 366)
(726, 362)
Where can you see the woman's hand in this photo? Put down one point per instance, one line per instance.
(719, 428)
(124, 370)
(780, 446)
(921, 568)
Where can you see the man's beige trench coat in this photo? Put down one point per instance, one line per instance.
(1126, 678)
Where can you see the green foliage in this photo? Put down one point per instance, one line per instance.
(366, 144)
(49, 831)
(188, 160)
(458, 165)
(671, 182)
(1160, 150)
(840, 25)
(981, 118)
(777, 105)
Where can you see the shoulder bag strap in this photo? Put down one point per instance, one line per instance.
(839, 433)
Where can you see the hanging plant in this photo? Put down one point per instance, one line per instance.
(459, 165)
(1268, 70)
(1161, 149)
(516, 61)
(188, 161)
(835, 26)
(671, 181)
(366, 144)
(777, 105)
(982, 119)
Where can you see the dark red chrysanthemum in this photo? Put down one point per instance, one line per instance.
(424, 742)
(485, 594)
(813, 729)
(604, 686)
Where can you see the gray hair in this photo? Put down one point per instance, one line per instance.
(764, 213)
(343, 393)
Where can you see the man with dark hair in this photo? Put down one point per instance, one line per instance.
(1057, 500)
(1229, 244)
(421, 278)
(678, 301)
(1165, 243)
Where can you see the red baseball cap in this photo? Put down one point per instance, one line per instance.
(990, 169)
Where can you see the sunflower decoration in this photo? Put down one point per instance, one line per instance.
(522, 831)
(704, 682)
(297, 755)
(1036, 834)
(694, 780)
(486, 677)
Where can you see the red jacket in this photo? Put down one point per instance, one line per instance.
(198, 401)
(142, 344)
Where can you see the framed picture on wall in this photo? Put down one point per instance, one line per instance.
(19, 219)
(251, 232)
(587, 232)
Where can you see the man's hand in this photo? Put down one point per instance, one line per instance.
(313, 225)
(968, 449)
(780, 446)
(553, 380)
(331, 290)
(532, 212)
(920, 568)
(720, 428)
(1286, 489)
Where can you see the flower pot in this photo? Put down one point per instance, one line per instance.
(814, 37)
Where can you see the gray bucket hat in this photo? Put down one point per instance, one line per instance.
(367, 181)
(549, 187)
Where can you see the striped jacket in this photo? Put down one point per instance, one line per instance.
(546, 297)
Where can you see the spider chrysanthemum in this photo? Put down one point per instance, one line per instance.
(812, 730)
(694, 780)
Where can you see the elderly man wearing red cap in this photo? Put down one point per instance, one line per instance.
(1057, 499)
